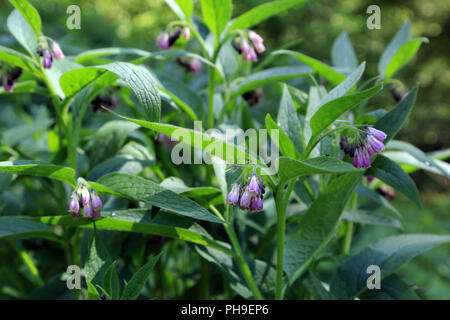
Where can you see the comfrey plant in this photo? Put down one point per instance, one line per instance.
(289, 226)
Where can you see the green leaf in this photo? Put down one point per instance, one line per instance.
(122, 164)
(261, 13)
(405, 53)
(97, 261)
(393, 288)
(16, 58)
(288, 120)
(342, 53)
(138, 78)
(92, 55)
(400, 38)
(269, 75)
(285, 145)
(289, 168)
(22, 31)
(375, 196)
(318, 225)
(392, 121)
(216, 14)
(60, 67)
(15, 135)
(332, 110)
(392, 174)
(111, 281)
(182, 8)
(411, 164)
(138, 280)
(388, 254)
(33, 168)
(30, 14)
(372, 218)
(109, 139)
(321, 68)
(12, 227)
(138, 220)
(140, 189)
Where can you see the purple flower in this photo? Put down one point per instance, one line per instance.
(245, 201)
(380, 135)
(87, 211)
(74, 206)
(256, 204)
(257, 41)
(233, 196)
(57, 52)
(8, 84)
(250, 56)
(96, 205)
(47, 59)
(85, 197)
(253, 96)
(245, 47)
(253, 187)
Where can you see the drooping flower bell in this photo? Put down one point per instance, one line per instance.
(163, 41)
(397, 93)
(9, 77)
(242, 46)
(233, 196)
(108, 101)
(89, 200)
(257, 41)
(363, 146)
(47, 59)
(74, 206)
(96, 205)
(253, 96)
(186, 33)
(191, 65)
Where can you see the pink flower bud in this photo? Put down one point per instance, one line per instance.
(57, 52)
(186, 33)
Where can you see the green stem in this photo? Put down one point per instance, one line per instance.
(212, 73)
(349, 233)
(281, 201)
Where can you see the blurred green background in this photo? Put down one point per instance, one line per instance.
(316, 24)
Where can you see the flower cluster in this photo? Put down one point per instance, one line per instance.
(89, 200)
(107, 101)
(242, 46)
(253, 96)
(363, 146)
(8, 76)
(166, 39)
(48, 54)
(191, 65)
(249, 196)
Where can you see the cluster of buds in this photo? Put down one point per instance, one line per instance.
(243, 47)
(48, 54)
(89, 201)
(397, 93)
(191, 65)
(166, 39)
(253, 96)
(8, 76)
(107, 101)
(249, 195)
(363, 146)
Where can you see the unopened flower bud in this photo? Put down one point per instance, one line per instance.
(233, 196)
(85, 197)
(57, 52)
(186, 33)
(96, 205)
(163, 41)
(47, 59)
(87, 211)
(74, 206)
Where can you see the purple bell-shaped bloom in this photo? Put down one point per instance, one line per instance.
(186, 33)
(58, 54)
(380, 135)
(85, 197)
(47, 59)
(87, 211)
(74, 206)
(96, 205)
(163, 41)
(245, 201)
(233, 196)
(253, 187)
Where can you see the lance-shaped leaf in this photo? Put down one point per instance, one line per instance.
(32, 168)
(388, 254)
(216, 14)
(182, 8)
(342, 53)
(321, 68)
(140, 189)
(400, 38)
(288, 120)
(138, 78)
(403, 55)
(318, 225)
(289, 168)
(97, 261)
(392, 121)
(12, 227)
(138, 280)
(261, 13)
(30, 14)
(22, 31)
(392, 174)
(285, 144)
(16, 58)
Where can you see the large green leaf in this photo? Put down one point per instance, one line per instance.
(16, 58)
(95, 54)
(393, 288)
(289, 122)
(30, 14)
(405, 53)
(392, 174)
(388, 254)
(321, 68)
(138, 280)
(411, 164)
(97, 261)
(138, 78)
(22, 31)
(182, 8)
(318, 225)
(373, 218)
(13, 227)
(400, 38)
(392, 121)
(32, 168)
(289, 168)
(140, 189)
(261, 13)
(342, 53)
(60, 67)
(216, 14)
